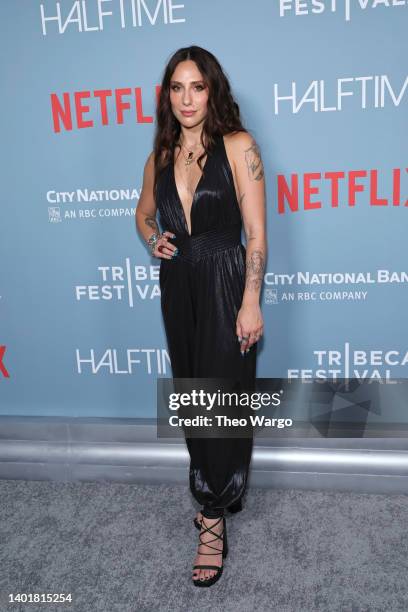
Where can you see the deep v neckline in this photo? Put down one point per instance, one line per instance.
(194, 195)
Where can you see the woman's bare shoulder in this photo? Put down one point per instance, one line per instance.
(149, 167)
(240, 147)
(150, 160)
(239, 141)
(245, 155)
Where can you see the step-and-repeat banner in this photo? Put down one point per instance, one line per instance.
(323, 88)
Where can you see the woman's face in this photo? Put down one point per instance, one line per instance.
(188, 94)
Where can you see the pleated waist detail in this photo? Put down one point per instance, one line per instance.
(193, 248)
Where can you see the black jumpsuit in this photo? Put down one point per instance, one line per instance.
(201, 292)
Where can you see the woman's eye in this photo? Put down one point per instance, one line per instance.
(197, 87)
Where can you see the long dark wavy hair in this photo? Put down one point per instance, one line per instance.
(223, 114)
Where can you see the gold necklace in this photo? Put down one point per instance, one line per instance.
(188, 161)
(190, 157)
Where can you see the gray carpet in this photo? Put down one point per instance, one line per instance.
(127, 547)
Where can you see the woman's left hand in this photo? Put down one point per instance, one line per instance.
(249, 326)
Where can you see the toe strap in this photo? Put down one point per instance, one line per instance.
(215, 567)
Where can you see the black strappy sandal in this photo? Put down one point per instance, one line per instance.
(233, 508)
(222, 536)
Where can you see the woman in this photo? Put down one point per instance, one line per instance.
(205, 177)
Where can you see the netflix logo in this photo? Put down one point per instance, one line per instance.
(71, 112)
(341, 189)
(3, 368)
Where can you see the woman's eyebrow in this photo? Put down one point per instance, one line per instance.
(192, 82)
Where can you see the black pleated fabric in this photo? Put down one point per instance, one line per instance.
(201, 293)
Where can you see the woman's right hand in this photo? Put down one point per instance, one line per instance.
(168, 250)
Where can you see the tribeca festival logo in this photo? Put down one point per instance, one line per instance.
(312, 280)
(122, 284)
(90, 16)
(347, 8)
(352, 363)
(79, 204)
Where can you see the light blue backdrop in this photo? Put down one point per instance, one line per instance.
(54, 260)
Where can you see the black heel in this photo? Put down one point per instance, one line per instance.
(233, 509)
(224, 553)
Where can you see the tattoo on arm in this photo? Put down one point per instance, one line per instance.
(254, 270)
(254, 162)
(151, 222)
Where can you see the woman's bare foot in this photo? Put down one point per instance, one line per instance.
(209, 543)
